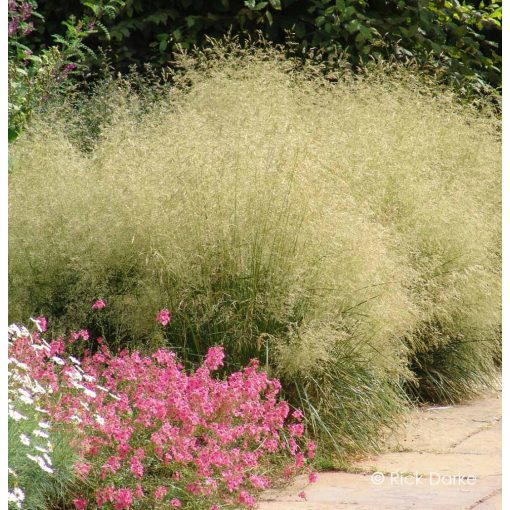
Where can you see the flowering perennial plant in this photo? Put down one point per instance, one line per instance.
(151, 435)
(32, 439)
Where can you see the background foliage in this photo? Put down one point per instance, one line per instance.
(458, 39)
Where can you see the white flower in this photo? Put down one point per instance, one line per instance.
(39, 409)
(44, 425)
(19, 364)
(47, 458)
(75, 375)
(46, 468)
(25, 396)
(12, 472)
(41, 463)
(41, 449)
(13, 329)
(13, 498)
(89, 393)
(75, 418)
(26, 400)
(74, 360)
(38, 388)
(40, 433)
(15, 415)
(58, 361)
(24, 439)
(99, 419)
(37, 324)
(19, 493)
(89, 378)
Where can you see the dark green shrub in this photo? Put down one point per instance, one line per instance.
(458, 39)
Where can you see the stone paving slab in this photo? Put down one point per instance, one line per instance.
(486, 442)
(435, 428)
(493, 502)
(444, 459)
(339, 491)
(463, 464)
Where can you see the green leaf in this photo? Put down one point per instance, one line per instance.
(12, 134)
(96, 9)
(365, 32)
(300, 30)
(353, 26)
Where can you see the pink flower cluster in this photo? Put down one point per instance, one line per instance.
(163, 317)
(98, 304)
(152, 435)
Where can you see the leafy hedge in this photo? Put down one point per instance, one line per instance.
(461, 39)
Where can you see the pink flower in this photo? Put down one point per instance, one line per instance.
(247, 499)
(104, 495)
(312, 477)
(98, 305)
(300, 460)
(297, 429)
(163, 317)
(160, 492)
(136, 467)
(42, 323)
(82, 469)
(123, 499)
(259, 482)
(112, 464)
(139, 492)
(149, 410)
(297, 414)
(310, 447)
(76, 335)
(80, 503)
(214, 357)
(302, 495)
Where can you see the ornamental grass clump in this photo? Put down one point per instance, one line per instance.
(344, 230)
(149, 435)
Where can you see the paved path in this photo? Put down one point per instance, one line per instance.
(447, 458)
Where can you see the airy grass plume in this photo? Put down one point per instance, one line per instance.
(337, 229)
